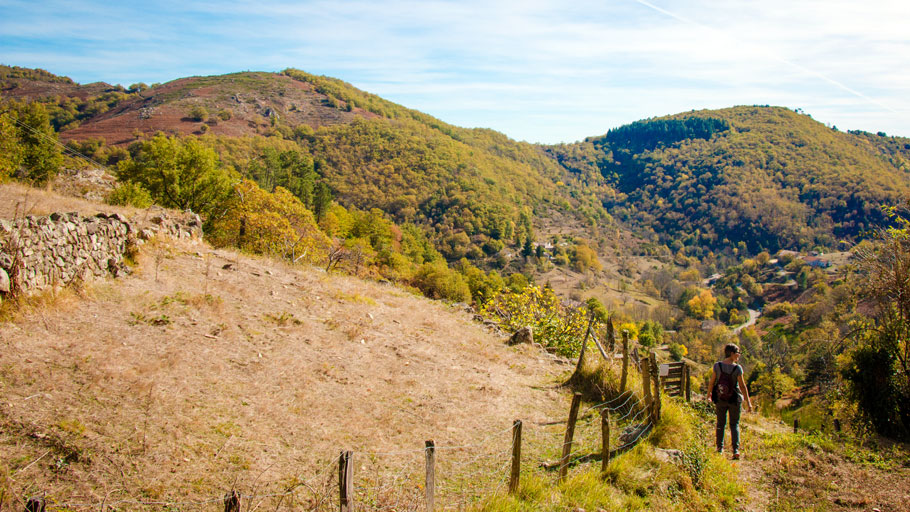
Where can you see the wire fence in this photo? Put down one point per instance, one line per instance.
(395, 480)
(436, 476)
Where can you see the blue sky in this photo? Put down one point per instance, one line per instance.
(537, 70)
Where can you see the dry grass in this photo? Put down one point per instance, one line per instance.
(253, 376)
(18, 200)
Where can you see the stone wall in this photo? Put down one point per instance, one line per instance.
(41, 252)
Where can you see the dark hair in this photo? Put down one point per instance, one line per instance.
(730, 349)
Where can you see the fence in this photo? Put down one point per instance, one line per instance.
(434, 477)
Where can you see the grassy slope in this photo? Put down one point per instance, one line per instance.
(182, 385)
(209, 369)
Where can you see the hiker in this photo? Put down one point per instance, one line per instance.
(727, 390)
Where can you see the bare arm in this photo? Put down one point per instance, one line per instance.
(711, 382)
(745, 390)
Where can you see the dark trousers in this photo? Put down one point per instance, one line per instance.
(722, 408)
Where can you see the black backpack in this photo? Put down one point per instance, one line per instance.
(725, 387)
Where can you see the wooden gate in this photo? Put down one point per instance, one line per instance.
(676, 380)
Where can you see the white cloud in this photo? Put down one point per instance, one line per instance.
(524, 67)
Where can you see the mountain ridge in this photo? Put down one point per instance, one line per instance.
(766, 177)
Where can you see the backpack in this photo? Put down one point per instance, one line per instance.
(725, 388)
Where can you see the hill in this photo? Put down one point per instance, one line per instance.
(761, 178)
(207, 368)
(477, 193)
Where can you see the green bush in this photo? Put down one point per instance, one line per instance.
(678, 351)
(437, 281)
(129, 194)
(778, 310)
(199, 113)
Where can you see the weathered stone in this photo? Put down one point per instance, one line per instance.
(4, 281)
(523, 335)
(56, 216)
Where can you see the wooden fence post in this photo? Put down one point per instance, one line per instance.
(646, 384)
(584, 344)
(605, 440)
(795, 425)
(625, 361)
(570, 433)
(611, 334)
(346, 481)
(232, 501)
(431, 475)
(687, 382)
(655, 378)
(516, 457)
(35, 504)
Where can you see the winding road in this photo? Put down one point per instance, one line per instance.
(753, 316)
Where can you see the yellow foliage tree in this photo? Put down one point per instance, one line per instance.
(276, 224)
(702, 305)
(585, 258)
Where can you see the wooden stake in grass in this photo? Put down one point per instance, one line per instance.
(625, 362)
(584, 344)
(431, 474)
(655, 378)
(516, 457)
(646, 383)
(346, 481)
(570, 433)
(35, 504)
(611, 334)
(795, 425)
(687, 382)
(605, 440)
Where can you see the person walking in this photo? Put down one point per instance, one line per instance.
(728, 391)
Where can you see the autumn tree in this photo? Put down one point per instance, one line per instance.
(878, 370)
(41, 158)
(272, 223)
(10, 149)
(178, 173)
(702, 305)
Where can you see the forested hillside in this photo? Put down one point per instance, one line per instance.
(766, 177)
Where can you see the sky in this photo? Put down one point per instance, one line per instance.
(536, 70)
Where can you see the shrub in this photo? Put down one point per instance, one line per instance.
(437, 281)
(778, 310)
(678, 351)
(269, 223)
(199, 113)
(129, 194)
(539, 308)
